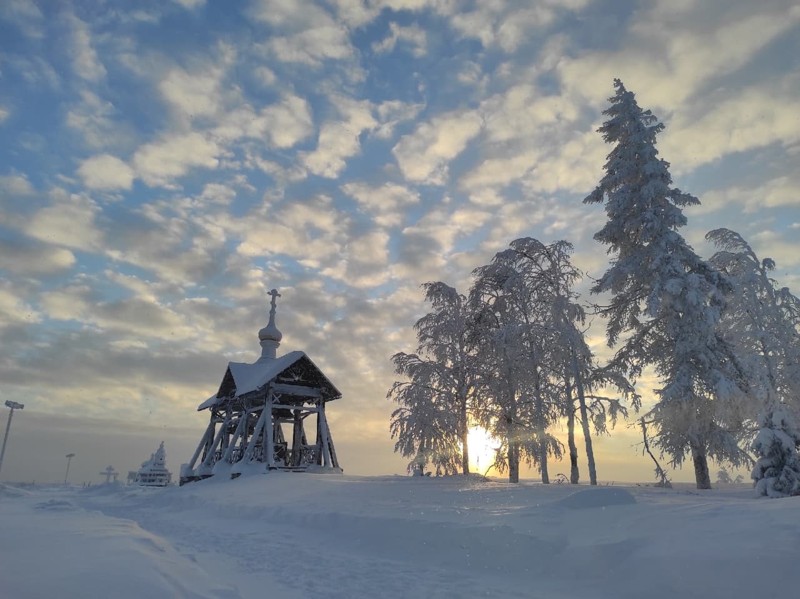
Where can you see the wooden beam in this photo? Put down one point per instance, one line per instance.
(235, 437)
(269, 434)
(251, 446)
(203, 441)
(281, 406)
(296, 390)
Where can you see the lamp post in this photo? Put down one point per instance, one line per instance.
(69, 457)
(14, 406)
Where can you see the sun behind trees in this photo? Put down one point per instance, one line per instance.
(511, 356)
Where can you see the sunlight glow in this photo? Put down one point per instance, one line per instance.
(482, 449)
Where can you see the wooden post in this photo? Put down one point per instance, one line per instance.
(269, 433)
(326, 444)
(297, 439)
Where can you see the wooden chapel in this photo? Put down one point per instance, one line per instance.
(261, 417)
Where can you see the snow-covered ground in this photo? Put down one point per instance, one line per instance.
(302, 535)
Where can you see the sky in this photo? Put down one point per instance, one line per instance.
(164, 164)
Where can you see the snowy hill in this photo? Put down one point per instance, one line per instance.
(300, 535)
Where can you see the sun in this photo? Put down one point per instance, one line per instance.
(482, 449)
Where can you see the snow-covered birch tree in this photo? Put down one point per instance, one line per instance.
(439, 386)
(665, 301)
(513, 347)
(569, 357)
(760, 323)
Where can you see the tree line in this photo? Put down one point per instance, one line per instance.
(511, 354)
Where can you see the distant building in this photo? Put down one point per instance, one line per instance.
(153, 472)
(259, 419)
(110, 474)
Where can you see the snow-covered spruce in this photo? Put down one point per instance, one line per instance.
(777, 470)
(665, 300)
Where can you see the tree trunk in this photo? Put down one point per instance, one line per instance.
(700, 460)
(513, 460)
(587, 434)
(543, 463)
(541, 429)
(574, 473)
(464, 437)
(513, 451)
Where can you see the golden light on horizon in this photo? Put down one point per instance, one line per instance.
(482, 449)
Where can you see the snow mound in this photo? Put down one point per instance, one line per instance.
(597, 497)
(55, 505)
(12, 491)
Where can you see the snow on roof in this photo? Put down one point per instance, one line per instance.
(250, 377)
(211, 401)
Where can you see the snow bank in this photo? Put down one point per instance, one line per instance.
(597, 497)
(52, 548)
(300, 535)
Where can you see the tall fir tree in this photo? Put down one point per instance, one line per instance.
(665, 300)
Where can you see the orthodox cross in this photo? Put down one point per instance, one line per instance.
(275, 295)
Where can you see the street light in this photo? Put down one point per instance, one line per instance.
(14, 406)
(69, 457)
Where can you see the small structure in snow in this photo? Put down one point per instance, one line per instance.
(110, 474)
(153, 472)
(258, 418)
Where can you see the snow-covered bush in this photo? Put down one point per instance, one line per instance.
(777, 470)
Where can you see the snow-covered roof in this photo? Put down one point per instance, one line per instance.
(251, 377)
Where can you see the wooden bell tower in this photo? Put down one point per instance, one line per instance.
(269, 415)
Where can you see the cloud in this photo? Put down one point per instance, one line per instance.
(4, 114)
(132, 316)
(387, 204)
(412, 35)
(181, 241)
(364, 261)
(313, 36)
(23, 257)
(426, 248)
(84, 57)
(190, 4)
(92, 118)
(284, 124)
(312, 232)
(507, 25)
(287, 122)
(339, 139)
(15, 185)
(423, 155)
(25, 15)
(14, 309)
(195, 94)
(159, 163)
(722, 130)
(35, 70)
(105, 172)
(393, 112)
(69, 221)
(265, 76)
(753, 199)
(668, 62)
